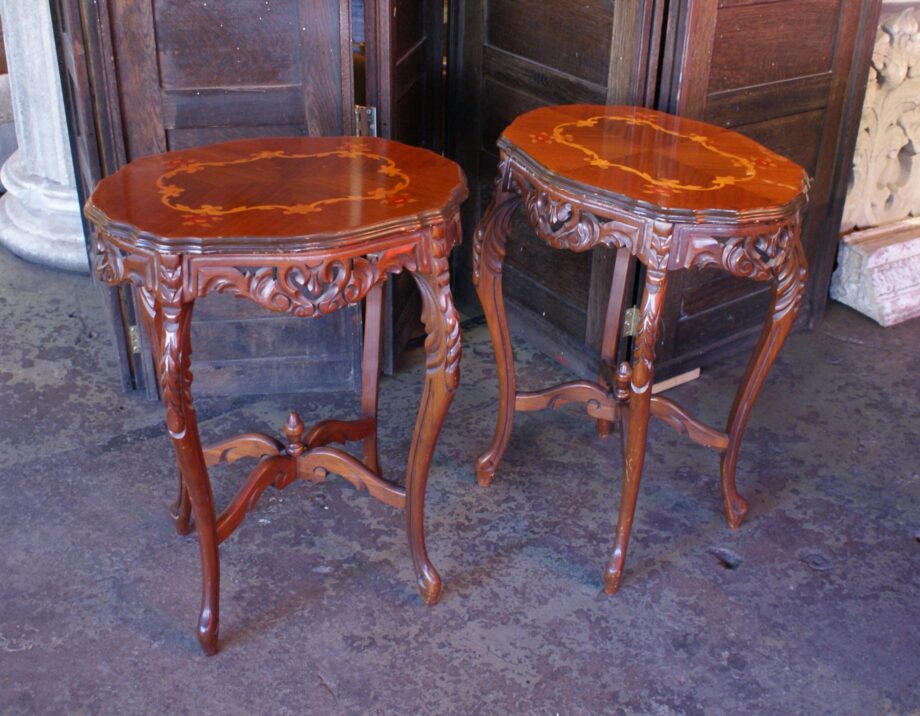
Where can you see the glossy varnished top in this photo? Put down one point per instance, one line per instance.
(665, 165)
(276, 193)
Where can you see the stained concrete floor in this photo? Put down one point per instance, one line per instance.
(811, 608)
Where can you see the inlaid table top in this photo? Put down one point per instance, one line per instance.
(668, 166)
(278, 192)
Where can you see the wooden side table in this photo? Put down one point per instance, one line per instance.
(676, 194)
(303, 225)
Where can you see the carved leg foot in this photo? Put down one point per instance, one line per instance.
(640, 396)
(789, 286)
(442, 375)
(172, 333)
(488, 254)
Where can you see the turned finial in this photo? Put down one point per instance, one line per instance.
(624, 375)
(293, 430)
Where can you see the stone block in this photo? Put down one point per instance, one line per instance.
(878, 272)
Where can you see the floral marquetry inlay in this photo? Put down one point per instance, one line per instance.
(655, 160)
(278, 192)
(587, 135)
(280, 173)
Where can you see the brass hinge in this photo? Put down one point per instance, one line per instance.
(365, 121)
(631, 321)
(134, 337)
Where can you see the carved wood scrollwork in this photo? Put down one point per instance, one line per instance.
(305, 288)
(657, 246)
(752, 255)
(108, 264)
(765, 253)
(563, 223)
(495, 226)
(439, 315)
(174, 353)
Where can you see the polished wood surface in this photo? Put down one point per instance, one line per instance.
(277, 192)
(669, 166)
(304, 226)
(703, 221)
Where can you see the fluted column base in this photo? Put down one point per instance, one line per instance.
(40, 219)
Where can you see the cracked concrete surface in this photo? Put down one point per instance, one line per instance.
(810, 608)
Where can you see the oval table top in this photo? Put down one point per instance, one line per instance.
(669, 166)
(276, 193)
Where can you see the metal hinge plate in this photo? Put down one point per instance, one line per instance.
(631, 321)
(134, 336)
(365, 121)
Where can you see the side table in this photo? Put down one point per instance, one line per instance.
(676, 194)
(306, 226)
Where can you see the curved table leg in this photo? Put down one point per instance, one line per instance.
(172, 324)
(370, 369)
(639, 402)
(788, 289)
(181, 509)
(488, 254)
(442, 375)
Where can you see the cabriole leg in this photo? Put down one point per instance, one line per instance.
(181, 509)
(442, 375)
(488, 254)
(637, 431)
(788, 288)
(172, 324)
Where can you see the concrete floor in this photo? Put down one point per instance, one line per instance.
(810, 608)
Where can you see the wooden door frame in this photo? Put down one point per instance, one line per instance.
(83, 40)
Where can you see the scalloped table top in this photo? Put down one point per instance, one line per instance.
(283, 190)
(648, 159)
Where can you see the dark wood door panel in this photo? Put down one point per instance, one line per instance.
(234, 52)
(797, 136)
(529, 77)
(769, 42)
(222, 107)
(749, 105)
(573, 38)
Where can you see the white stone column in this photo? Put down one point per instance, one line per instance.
(40, 213)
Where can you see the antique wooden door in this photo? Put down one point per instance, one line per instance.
(154, 76)
(782, 72)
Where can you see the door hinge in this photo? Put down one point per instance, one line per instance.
(631, 321)
(365, 121)
(134, 337)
